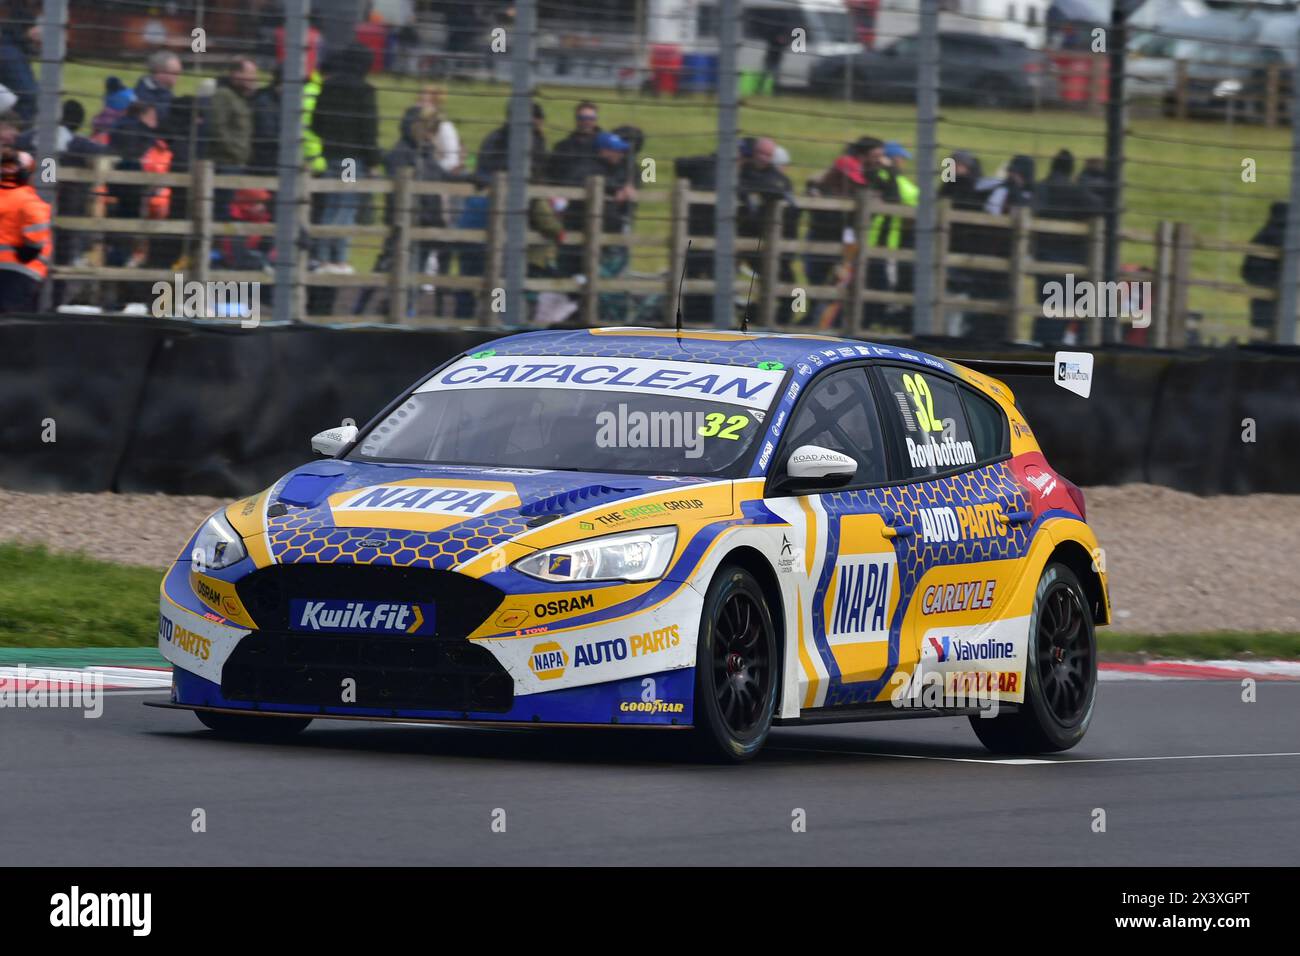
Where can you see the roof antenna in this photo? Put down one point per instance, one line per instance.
(680, 282)
(744, 316)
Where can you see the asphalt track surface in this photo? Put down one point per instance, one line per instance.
(1176, 767)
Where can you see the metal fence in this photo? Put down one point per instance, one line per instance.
(1172, 201)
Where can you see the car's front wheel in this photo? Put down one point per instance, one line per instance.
(736, 668)
(1060, 673)
(239, 727)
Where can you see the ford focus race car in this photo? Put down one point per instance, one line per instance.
(708, 531)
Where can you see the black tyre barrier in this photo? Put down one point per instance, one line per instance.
(178, 407)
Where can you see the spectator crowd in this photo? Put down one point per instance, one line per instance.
(234, 121)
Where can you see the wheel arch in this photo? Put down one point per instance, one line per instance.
(753, 561)
(1077, 558)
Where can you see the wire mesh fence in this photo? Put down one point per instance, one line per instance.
(185, 145)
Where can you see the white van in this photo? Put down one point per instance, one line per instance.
(1023, 20)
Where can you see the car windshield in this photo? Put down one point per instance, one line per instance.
(581, 414)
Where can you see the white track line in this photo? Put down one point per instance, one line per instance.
(1026, 761)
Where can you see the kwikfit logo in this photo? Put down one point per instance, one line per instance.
(384, 617)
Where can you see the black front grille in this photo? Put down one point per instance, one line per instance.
(439, 671)
(389, 673)
(461, 603)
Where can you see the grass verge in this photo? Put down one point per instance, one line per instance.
(1213, 645)
(62, 601)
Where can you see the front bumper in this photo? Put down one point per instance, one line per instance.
(592, 674)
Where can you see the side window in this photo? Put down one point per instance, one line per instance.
(933, 434)
(988, 426)
(838, 413)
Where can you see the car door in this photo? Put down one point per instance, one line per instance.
(891, 74)
(967, 523)
(848, 586)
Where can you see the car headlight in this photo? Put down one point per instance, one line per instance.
(218, 545)
(627, 556)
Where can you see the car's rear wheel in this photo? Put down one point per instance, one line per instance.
(239, 727)
(736, 668)
(1060, 673)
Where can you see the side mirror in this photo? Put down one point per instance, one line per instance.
(812, 466)
(333, 440)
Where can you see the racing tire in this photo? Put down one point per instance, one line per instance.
(737, 669)
(1060, 673)
(262, 729)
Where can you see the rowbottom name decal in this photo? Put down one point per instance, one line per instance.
(732, 384)
(948, 453)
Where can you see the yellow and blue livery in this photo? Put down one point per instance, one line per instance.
(712, 531)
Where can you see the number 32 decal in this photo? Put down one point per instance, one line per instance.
(919, 389)
(713, 426)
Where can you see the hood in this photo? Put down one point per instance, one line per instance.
(441, 516)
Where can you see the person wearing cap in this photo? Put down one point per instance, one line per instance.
(117, 98)
(25, 240)
(897, 156)
(842, 179)
(612, 164)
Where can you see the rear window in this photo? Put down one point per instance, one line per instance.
(988, 426)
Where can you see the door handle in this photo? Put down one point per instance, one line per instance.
(892, 531)
(1016, 517)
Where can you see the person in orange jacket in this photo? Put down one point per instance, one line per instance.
(25, 237)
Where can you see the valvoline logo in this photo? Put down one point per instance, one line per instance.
(947, 648)
(382, 617)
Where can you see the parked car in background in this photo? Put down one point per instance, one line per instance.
(984, 70)
(1237, 79)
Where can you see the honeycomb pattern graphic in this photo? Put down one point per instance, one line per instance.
(899, 504)
(309, 535)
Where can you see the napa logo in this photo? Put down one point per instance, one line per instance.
(548, 661)
(439, 500)
(861, 608)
